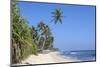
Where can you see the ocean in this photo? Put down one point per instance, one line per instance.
(83, 55)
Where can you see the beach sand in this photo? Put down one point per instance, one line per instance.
(43, 58)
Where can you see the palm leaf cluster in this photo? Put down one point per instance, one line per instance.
(57, 16)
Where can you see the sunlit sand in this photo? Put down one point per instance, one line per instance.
(51, 57)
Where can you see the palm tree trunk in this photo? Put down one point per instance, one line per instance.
(38, 40)
(43, 45)
(34, 40)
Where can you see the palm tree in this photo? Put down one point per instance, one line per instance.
(34, 35)
(57, 16)
(41, 29)
(44, 32)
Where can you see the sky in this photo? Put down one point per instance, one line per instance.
(77, 32)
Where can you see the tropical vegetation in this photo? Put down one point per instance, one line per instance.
(28, 40)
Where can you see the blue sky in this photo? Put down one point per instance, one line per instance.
(77, 32)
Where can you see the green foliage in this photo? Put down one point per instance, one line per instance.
(27, 40)
(34, 50)
(22, 45)
(42, 36)
(45, 36)
(54, 49)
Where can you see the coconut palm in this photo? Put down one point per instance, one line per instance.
(45, 32)
(41, 28)
(34, 35)
(57, 16)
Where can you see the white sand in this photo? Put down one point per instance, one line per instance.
(51, 57)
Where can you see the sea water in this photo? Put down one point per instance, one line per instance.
(83, 55)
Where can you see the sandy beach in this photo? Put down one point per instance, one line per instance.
(51, 57)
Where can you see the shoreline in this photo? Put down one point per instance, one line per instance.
(50, 57)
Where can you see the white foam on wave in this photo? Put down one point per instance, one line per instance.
(73, 53)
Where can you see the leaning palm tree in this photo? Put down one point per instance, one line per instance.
(35, 35)
(44, 33)
(57, 16)
(40, 28)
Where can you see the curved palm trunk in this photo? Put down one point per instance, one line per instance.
(38, 40)
(43, 46)
(34, 40)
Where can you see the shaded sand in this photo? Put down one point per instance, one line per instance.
(51, 57)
